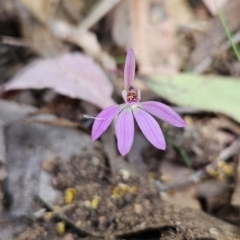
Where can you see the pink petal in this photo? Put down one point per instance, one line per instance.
(129, 69)
(150, 128)
(163, 112)
(100, 126)
(125, 130)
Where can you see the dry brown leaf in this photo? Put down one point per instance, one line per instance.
(73, 74)
(184, 197)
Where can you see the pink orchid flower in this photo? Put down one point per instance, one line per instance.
(133, 108)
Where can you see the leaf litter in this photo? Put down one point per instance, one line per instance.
(118, 205)
(102, 193)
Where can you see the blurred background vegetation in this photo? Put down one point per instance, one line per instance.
(61, 59)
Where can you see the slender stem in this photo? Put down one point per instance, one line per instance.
(181, 150)
(234, 46)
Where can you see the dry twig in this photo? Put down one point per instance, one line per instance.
(18, 42)
(99, 11)
(224, 155)
(85, 39)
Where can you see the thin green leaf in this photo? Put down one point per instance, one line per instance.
(181, 151)
(227, 30)
(209, 93)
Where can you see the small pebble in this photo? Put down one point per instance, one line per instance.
(49, 164)
(79, 223)
(213, 231)
(96, 161)
(87, 204)
(125, 174)
(69, 236)
(137, 208)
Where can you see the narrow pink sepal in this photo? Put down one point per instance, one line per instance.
(100, 126)
(125, 130)
(150, 128)
(129, 69)
(163, 112)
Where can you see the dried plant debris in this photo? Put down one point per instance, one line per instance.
(123, 206)
(91, 200)
(208, 44)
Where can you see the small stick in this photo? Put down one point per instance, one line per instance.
(99, 10)
(18, 42)
(224, 155)
(91, 117)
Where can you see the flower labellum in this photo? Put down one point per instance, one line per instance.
(133, 108)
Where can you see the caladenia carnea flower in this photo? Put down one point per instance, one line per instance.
(133, 108)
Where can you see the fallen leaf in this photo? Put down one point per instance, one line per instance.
(185, 196)
(72, 74)
(209, 93)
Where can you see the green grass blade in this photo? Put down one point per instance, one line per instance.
(220, 14)
(181, 151)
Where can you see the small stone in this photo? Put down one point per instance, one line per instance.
(49, 164)
(69, 236)
(40, 213)
(213, 231)
(143, 225)
(79, 223)
(137, 208)
(96, 161)
(48, 216)
(166, 178)
(128, 197)
(102, 223)
(87, 204)
(125, 174)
